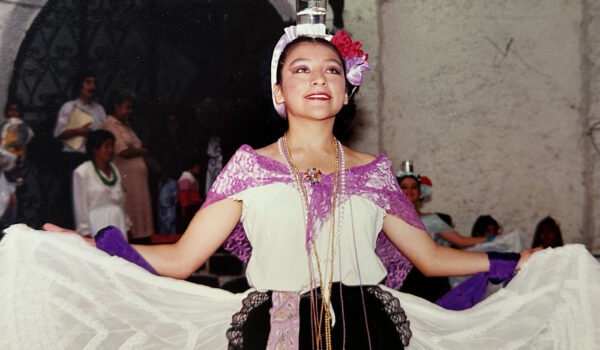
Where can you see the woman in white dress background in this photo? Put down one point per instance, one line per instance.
(98, 196)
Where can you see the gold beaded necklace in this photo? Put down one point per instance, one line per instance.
(326, 297)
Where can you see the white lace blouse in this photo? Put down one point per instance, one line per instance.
(279, 258)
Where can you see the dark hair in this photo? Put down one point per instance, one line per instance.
(547, 224)
(446, 218)
(481, 225)
(81, 77)
(95, 139)
(118, 97)
(190, 160)
(309, 39)
(417, 179)
(10, 103)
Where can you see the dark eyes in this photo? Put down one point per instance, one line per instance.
(332, 70)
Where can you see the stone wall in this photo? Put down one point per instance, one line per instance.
(590, 111)
(490, 100)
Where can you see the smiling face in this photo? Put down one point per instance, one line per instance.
(312, 82)
(410, 188)
(124, 110)
(105, 153)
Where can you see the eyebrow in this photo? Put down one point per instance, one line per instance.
(301, 59)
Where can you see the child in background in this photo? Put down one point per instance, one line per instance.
(547, 234)
(15, 134)
(486, 226)
(188, 195)
(167, 204)
(22, 180)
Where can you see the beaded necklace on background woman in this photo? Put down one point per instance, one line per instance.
(98, 197)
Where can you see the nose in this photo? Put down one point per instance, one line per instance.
(319, 78)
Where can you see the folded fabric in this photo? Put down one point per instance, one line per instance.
(111, 240)
(472, 290)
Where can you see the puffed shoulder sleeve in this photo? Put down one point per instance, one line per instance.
(246, 169)
(236, 176)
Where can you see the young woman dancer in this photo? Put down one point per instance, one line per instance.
(310, 238)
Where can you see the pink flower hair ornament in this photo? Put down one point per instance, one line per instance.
(355, 60)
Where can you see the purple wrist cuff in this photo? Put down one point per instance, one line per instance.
(472, 291)
(111, 240)
(502, 266)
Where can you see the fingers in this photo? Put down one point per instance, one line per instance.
(55, 228)
(90, 241)
(525, 255)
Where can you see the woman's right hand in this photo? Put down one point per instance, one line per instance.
(55, 228)
(525, 255)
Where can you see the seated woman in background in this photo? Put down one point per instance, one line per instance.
(485, 226)
(98, 197)
(416, 189)
(547, 234)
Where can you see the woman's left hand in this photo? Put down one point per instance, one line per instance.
(525, 255)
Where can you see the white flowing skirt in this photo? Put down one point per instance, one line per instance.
(57, 292)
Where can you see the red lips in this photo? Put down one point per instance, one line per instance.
(321, 96)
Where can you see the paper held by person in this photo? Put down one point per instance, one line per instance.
(77, 119)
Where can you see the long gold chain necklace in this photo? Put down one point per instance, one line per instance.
(317, 321)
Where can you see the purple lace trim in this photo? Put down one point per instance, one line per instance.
(111, 240)
(374, 181)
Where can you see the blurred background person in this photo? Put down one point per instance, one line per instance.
(188, 194)
(215, 161)
(129, 159)
(486, 226)
(15, 135)
(547, 234)
(167, 202)
(98, 196)
(417, 188)
(76, 119)
(7, 162)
